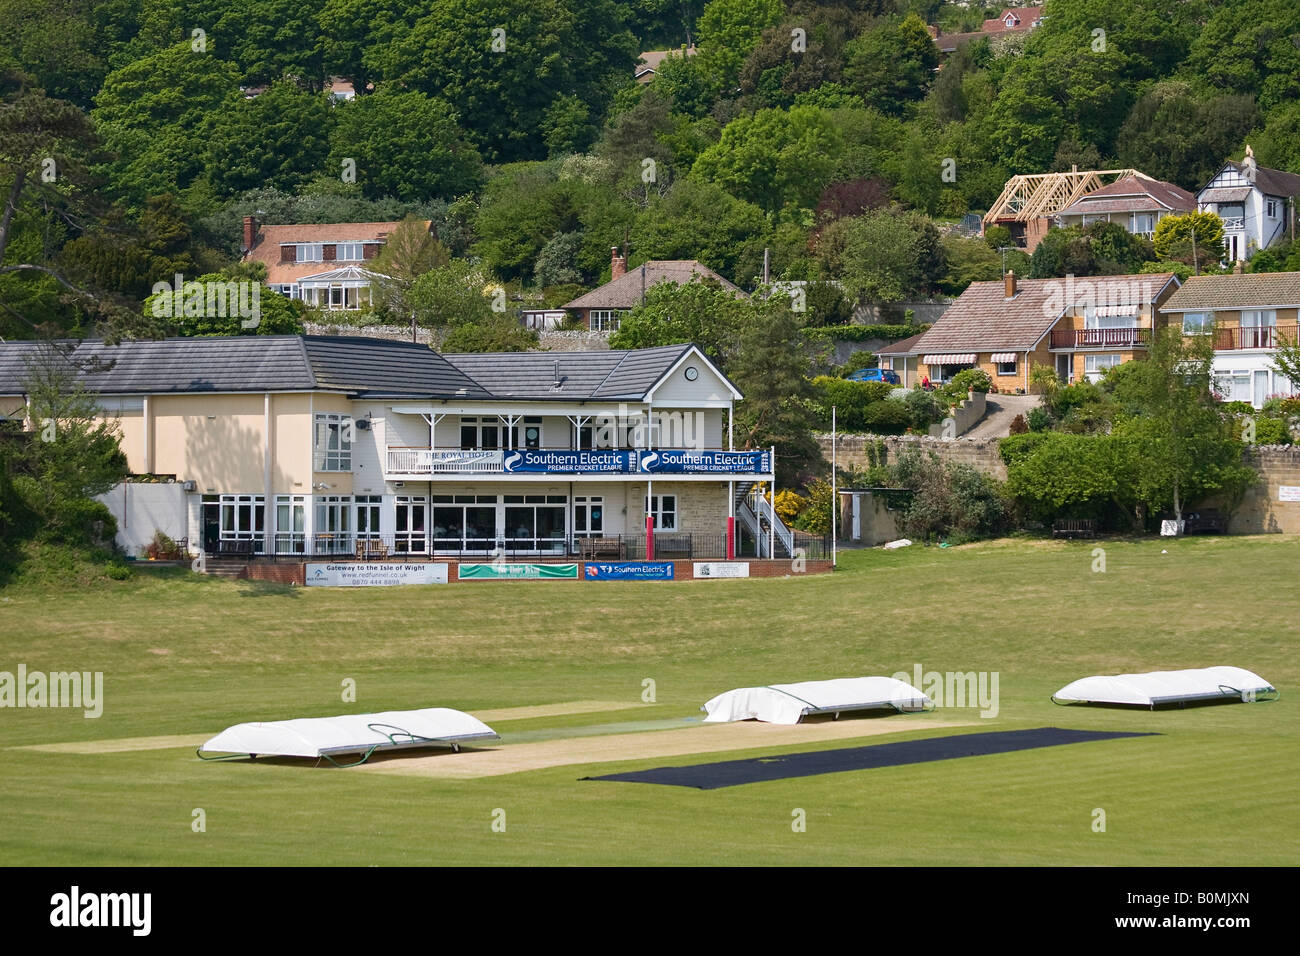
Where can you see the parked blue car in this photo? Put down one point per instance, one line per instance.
(875, 375)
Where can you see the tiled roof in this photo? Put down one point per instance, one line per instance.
(266, 247)
(603, 375)
(1133, 194)
(984, 320)
(905, 346)
(1259, 290)
(1271, 182)
(625, 291)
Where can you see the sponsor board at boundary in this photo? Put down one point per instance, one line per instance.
(628, 570)
(529, 572)
(578, 461)
(721, 569)
(360, 574)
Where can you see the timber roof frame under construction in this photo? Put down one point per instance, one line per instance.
(1045, 194)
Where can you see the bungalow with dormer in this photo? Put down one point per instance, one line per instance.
(1256, 204)
(324, 265)
(1137, 202)
(602, 309)
(349, 447)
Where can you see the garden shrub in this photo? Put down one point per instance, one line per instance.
(1039, 419)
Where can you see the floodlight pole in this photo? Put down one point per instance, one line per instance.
(771, 523)
(835, 497)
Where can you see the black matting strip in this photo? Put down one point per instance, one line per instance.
(732, 773)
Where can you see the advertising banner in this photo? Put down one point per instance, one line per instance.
(684, 461)
(529, 572)
(380, 574)
(628, 570)
(1288, 493)
(579, 461)
(722, 569)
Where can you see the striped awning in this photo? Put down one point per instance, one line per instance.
(966, 359)
(1113, 311)
(1224, 194)
(1003, 357)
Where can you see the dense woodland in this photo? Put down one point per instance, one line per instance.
(130, 149)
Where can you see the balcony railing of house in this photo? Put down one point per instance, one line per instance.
(434, 544)
(1254, 337)
(1100, 338)
(1234, 222)
(541, 461)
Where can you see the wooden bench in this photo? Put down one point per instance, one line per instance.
(1074, 528)
(593, 548)
(371, 548)
(236, 549)
(1204, 522)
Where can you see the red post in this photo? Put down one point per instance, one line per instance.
(649, 537)
(731, 539)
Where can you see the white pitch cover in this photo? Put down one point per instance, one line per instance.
(350, 733)
(788, 703)
(1163, 687)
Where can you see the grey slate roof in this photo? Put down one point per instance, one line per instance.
(363, 367)
(608, 375)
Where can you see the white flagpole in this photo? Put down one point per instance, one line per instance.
(771, 524)
(835, 498)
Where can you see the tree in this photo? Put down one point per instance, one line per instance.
(699, 220)
(1185, 451)
(968, 260)
(504, 64)
(1174, 135)
(885, 255)
(1249, 47)
(403, 144)
(454, 294)
(496, 333)
(153, 114)
(702, 312)
(775, 158)
(219, 304)
(557, 263)
(728, 31)
(892, 65)
(409, 252)
(278, 140)
(47, 191)
(522, 207)
(76, 455)
(1196, 237)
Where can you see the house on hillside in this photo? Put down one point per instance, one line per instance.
(1256, 204)
(1248, 316)
(1135, 202)
(648, 62)
(356, 447)
(1012, 21)
(1078, 327)
(1028, 205)
(602, 309)
(903, 357)
(323, 265)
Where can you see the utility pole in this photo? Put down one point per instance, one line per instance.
(1196, 262)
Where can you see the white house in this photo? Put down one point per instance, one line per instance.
(1257, 205)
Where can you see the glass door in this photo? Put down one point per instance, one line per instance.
(410, 528)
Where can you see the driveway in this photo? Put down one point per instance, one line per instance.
(999, 412)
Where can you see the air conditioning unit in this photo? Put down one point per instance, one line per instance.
(363, 424)
(188, 486)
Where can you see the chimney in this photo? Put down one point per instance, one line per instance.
(250, 233)
(1009, 281)
(617, 264)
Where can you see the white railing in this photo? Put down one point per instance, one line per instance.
(425, 461)
(1234, 222)
(767, 518)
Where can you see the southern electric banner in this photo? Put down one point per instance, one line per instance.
(628, 571)
(583, 461)
(685, 461)
(498, 572)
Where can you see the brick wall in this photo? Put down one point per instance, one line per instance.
(1260, 511)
